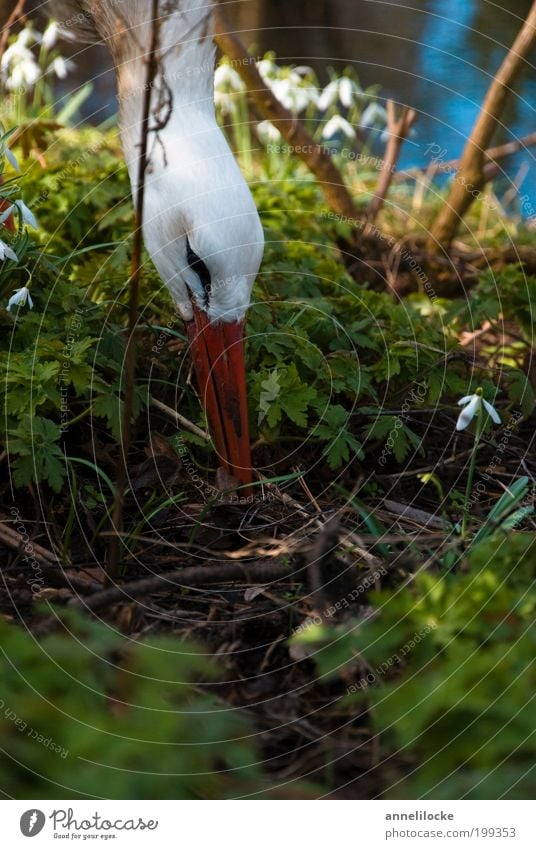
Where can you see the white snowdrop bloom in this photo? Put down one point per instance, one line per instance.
(304, 70)
(227, 82)
(50, 35)
(22, 73)
(293, 93)
(328, 96)
(346, 92)
(27, 215)
(267, 132)
(27, 36)
(374, 114)
(6, 252)
(18, 65)
(20, 297)
(60, 67)
(227, 79)
(472, 404)
(342, 90)
(337, 125)
(268, 70)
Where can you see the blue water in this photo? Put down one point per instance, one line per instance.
(455, 62)
(438, 56)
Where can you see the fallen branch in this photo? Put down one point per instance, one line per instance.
(11, 539)
(190, 576)
(291, 128)
(398, 129)
(471, 174)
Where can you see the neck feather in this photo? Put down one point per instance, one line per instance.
(182, 93)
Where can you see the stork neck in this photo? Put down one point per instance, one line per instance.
(182, 93)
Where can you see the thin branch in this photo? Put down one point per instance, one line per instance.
(398, 129)
(16, 14)
(11, 539)
(471, 174)
(491, 155)
(190, 576)
(130, 354)
(179, 420)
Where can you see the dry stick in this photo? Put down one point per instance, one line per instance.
(491, 155)
(471, 177)
(179, 420)
(190, 576)
(398, 130)
(114, 547)
(12, 539)
(291, 128)
(17, 13)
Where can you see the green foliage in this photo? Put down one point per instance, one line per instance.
(87, 713)
(452, 673)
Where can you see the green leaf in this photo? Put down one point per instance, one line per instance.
(342, 444)
(38, 457)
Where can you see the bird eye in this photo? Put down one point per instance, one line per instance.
(197, 265)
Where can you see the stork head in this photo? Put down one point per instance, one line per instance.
(204, 235)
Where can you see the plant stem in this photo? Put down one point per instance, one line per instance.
(472, 466)
(114, 548)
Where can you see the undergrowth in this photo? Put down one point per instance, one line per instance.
(351, 388)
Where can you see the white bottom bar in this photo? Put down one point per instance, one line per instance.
(268, 824)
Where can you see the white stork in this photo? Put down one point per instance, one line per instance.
(200, 224)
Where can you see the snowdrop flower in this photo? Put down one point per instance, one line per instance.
(6, 252)
(294, 93)
(23, 74)
(336, 126)
(267, 132)
(26, 36)
(18, 64)
(268, 70)
(227, 82)
(372, 115)
(304, 71)
(20, 297)
(343, 89)
(472, 404)
(60, 67)
(50, 35)
(227, 79)
(27, 215)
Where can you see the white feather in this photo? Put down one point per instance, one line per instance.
(193, 186)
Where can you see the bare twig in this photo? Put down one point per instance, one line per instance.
(11, 539)
(398, 129)
(471, 173)
(491, 155)
(16, 15)
(180, 420)
(291, 128)
(130, 355)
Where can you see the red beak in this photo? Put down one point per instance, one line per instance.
(218, 357)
